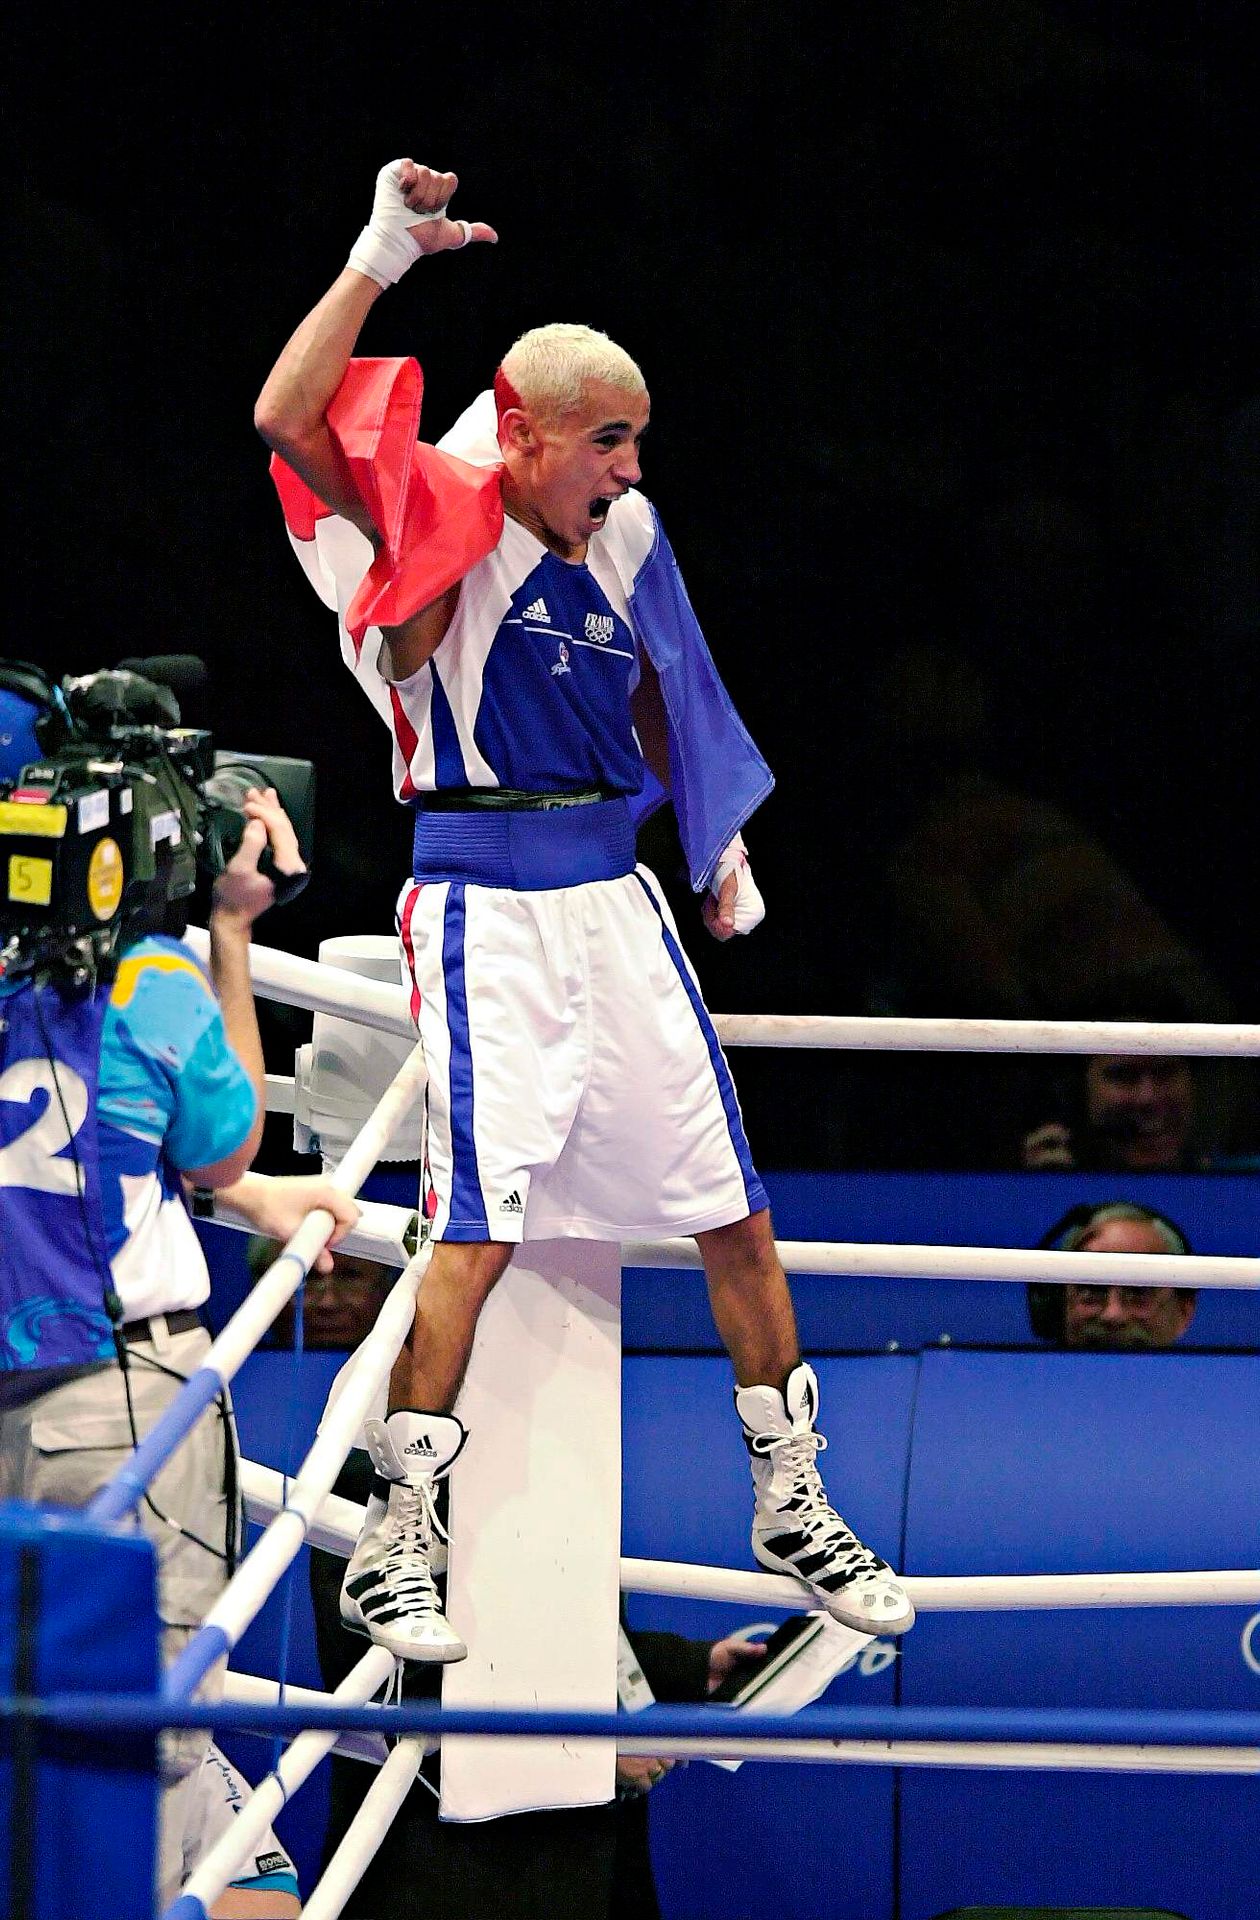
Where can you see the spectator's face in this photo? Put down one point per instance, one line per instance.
(341, 1307)
(1125, 1317)
(1141, 1108)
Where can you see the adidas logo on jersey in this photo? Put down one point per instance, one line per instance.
(537, 610)
(512, 1204)
(600, 628)
(423, 1446)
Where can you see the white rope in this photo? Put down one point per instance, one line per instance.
(233, 1848)
(1041, 1758)
(1050, 1757)
(366, 1831)
(253, 1690)
(891, 1261)
(281, 1280)
(322, 989)
(379, 1236)
(884, 1034)
(336, 1528)
(261, 1569)
(974, 1593)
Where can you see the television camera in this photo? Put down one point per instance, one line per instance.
(106, 826)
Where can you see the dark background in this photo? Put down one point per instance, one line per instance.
(949, 313)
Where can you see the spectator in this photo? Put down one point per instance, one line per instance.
(1136, 1113)
(1114, 1318)
(339, 1303)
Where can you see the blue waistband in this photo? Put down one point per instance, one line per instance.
(530, 852)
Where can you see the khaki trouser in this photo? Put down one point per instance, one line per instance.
(61, 1447)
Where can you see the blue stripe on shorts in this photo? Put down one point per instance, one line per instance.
(754, 1192)
(468, 1212)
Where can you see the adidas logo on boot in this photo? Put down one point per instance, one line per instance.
(389, 1592)
(795, 1528)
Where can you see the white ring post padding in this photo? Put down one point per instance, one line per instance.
(262, 1567)
(336, 1528)
(225, 1859)
(376, 1235)
(368, 1828)
(1047, 1757)
(322, 989)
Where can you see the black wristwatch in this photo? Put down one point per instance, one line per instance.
(203, 1203)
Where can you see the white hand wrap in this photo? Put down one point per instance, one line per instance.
(384, 250)
(750, 908)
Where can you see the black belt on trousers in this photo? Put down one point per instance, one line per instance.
(504, 800)
(182, 1321)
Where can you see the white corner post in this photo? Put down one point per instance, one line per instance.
(536, 1529)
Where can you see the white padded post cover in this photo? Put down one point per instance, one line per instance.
(536, 1529)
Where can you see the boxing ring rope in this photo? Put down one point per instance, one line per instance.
(1134, 1740)
(385, 1233)
(260, 1571)
(318, 988)
(252, 1319)
(335, 1528)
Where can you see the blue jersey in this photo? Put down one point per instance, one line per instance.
(530, 687)
(54, 1262)
(148, 1085)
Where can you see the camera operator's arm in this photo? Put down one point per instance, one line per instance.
(240, 894)
(276, 1205)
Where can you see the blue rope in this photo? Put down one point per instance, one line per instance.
(1120, 1726)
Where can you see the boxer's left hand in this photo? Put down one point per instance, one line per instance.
(733, 903)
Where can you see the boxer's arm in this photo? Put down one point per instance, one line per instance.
(408, 219)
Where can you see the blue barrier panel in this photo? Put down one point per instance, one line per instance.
(77, 1806)
(1218, 1211)
(1073, 1463)
(722, 1842)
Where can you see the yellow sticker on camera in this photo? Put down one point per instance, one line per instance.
(105, 878)
(30, 881)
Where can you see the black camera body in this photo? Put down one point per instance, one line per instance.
(104, 834)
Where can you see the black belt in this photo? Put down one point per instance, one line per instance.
(505, 800)
(182, 1321)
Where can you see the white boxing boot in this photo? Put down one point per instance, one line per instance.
(388, 1591)
(795, 1529)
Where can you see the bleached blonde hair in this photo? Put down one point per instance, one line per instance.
(548, 369)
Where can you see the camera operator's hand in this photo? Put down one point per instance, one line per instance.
(241, 892)
(276, 1205)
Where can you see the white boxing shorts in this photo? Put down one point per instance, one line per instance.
(576, 1084)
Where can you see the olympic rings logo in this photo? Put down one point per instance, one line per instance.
(1251, 1643)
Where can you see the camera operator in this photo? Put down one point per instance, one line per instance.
(152, 1092)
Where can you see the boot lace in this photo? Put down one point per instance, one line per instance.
(799, 1491)
(411, 1528)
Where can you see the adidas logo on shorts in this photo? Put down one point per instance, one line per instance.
(512, 1204)
(537, 610)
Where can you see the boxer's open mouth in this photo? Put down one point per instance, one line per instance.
(598, 510)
